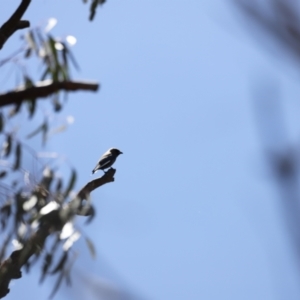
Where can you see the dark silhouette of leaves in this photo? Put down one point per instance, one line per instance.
(91, 247)
(1, 122)
(71, 183)
(47, 263)
(60, 265)
(18, 157)
(7, 146)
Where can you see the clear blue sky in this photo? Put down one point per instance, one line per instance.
(193, 213)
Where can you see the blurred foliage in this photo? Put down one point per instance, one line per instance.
(93, 7)
(32, 191)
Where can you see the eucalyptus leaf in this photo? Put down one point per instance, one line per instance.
(35, 132)
(7, 146)
(3, 174)
(31, 107)
(47, 263)
(91, 247)
(61, 263)
(18, 157)
(71, 183)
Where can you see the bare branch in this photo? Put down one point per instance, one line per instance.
(94, 184)
(44, 89)
(14, 23)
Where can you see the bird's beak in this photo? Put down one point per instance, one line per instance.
(121, 152)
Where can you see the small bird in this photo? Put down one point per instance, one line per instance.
(107, 159)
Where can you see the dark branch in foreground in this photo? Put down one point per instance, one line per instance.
(11, 267)
(44, 89)
(14, 23)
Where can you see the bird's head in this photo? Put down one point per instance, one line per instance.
(115, 151)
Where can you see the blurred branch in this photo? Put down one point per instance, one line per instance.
(52, 222)
(84, 194)
(43, 89)
(14, 23)
(94, 184)
(281, 22)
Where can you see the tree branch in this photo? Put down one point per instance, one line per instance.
(11, 267)
(44, 89)
(14, 23)
(84, 193)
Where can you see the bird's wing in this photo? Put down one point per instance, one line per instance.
(105, 162)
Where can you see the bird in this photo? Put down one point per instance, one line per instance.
(107, 159)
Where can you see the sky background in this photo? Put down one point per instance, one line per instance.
(193, 213)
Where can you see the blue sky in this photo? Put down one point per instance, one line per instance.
(193, 213)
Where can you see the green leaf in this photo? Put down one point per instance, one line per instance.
(51, 43)
(28, 82)
(71, 183)
(18, 157)
(72, 58)
(55, 66)
(91, 247)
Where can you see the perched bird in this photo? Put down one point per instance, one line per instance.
(107, 159)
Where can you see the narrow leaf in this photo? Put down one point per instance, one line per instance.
(60, 265)
(72, 58)
(91, 213)
(46, 265)
(58, 185)
(45, 132)
(14, 110)
(35, 132)
(7, 146)
(3, 174)
(18, 157)
(91, 247)
(71, 183)
(44, 75)
(28, 53)
(93, 7)
(31, 107)
(57, 285)
(57, 105)
(31, 40)
(28, 82)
